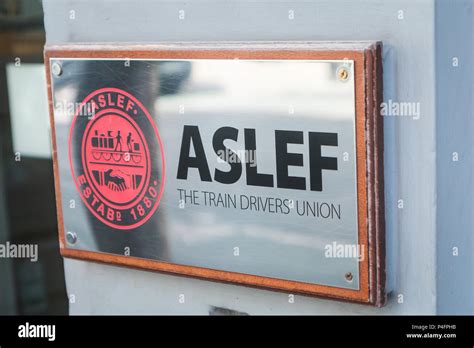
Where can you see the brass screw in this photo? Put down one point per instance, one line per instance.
(349, 276)
(343, 74)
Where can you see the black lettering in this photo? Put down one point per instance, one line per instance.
(253, 177)
(233, 175)
(284, 159)
(318, 163)
(191, 133)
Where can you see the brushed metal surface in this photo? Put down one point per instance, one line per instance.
(266, 96)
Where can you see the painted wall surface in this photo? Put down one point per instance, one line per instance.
(407, 29)
(455, 156)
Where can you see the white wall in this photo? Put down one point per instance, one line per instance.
(455, 134)
(411, 158)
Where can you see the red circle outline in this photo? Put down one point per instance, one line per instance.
(162, 184)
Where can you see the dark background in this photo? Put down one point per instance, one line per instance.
(27, 202)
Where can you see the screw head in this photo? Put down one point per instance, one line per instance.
(56, 69)
(349, 276)
(71, 238)
(343, 73)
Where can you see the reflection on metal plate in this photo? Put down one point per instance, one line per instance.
(243, 166)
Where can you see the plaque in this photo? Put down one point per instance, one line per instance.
(256, 164)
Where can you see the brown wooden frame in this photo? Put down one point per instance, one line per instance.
(369, 148)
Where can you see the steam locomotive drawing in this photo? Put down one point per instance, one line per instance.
(110, 148)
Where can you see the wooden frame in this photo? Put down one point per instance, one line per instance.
(369, 148)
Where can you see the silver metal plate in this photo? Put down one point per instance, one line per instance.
(284, 233)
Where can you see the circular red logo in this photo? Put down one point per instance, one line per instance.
(117, 158)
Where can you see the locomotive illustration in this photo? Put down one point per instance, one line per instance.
(109, 147)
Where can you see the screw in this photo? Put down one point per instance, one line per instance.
(71, 238)
(56, 68)
(343, 73)
(349, 276)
